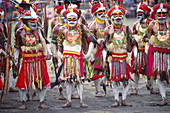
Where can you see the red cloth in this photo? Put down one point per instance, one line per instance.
(96, 76)
(24, 78)
(1, 85)
(98, 59)
(150, 60)
(119, 57)
(118, 78)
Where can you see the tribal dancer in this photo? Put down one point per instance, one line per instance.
(33, 73)
(97, 28)
(140, 31)
(57, 44)
(3, 50)
(73, 53)
(159, 50)
(119, 39)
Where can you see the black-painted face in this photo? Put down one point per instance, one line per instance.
(31, 23)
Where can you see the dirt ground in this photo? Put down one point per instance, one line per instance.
(144, 102)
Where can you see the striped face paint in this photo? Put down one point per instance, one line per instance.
(101, 15)
(72, 19)
(161, 14)
(140, 16)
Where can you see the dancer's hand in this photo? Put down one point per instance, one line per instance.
(105, 65)
(48, 57)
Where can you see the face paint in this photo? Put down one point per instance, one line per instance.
(72, 20)
(32, 24)
(161, 14)
(140, 16)
(101, 15)
(117, 18)
(63, 19)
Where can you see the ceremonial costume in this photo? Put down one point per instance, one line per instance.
(57, 44)
(97, 28)
(159, 50)
(2, 52)
(33, 73)
(73, 53)
(140, 31)
(119, 44)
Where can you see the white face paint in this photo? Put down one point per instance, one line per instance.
(117, 17)
(140, 16)
(101, 15)
(72, 19)
(161, 15)
(32, 24)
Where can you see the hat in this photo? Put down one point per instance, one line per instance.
(72, 10)
(116, 7)
(60, 9)
(98, 7)
(143, 7)
(27, 11)
(161, 6)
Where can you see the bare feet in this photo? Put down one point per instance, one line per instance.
(42, 105)
(83, 105)
(116, 104)
(152, 91)
(23, 106)
(13, 89)
(125, 103)
(61, 97)
(162, 103)
(134, 92)
(74, 97)
(68, 104)
(98, 95)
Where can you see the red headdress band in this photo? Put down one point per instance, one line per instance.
(114, 8)
(157, 6)
(78, 12)
(96, 7)
(60, 8)
(144, 7)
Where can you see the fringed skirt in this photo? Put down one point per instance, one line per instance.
(141, 61)
(161, 63)
(119, 68)
(33, 73)
(73, 66)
